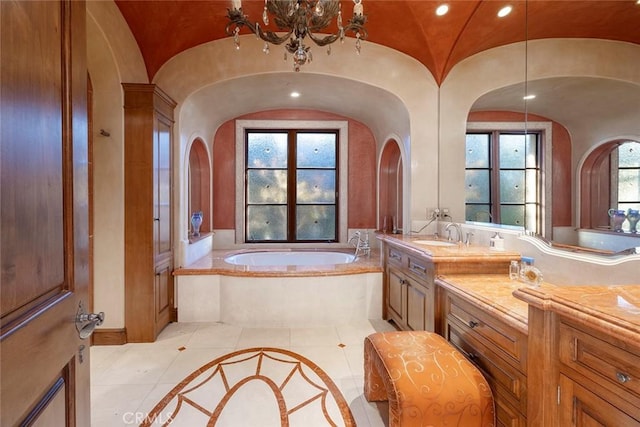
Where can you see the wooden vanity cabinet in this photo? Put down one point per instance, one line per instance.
(498, 349)
(409, 290)
(599, 381)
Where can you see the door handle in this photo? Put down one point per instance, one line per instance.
(86, 322)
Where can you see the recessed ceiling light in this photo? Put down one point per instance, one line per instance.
(532, 96)
(504, 11)
(444, 8)
(295, 94)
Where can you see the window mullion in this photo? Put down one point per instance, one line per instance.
(494, 186)
(292, 185)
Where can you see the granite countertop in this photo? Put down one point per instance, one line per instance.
(493, 292)
(214, 263)
(613, 309)
(457, 252)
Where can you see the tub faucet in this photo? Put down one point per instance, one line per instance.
(362, 245)
(458, 231)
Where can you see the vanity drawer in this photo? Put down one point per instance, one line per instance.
(421, 269)
(508, 384)
(501, 338)
(394, 256)
(599, 360)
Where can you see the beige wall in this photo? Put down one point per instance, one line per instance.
(112, 58)
(389, 92)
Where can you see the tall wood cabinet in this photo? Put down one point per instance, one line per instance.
(149, 289)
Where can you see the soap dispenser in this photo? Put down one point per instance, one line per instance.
(496, 243)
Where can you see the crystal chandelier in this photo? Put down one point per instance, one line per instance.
(299, 19)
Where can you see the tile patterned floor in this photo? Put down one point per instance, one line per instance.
(128, 381)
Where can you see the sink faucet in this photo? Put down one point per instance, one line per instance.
(458, 231)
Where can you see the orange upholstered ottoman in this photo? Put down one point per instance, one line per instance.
(426, 380)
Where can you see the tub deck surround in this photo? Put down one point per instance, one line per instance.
(492, 292)
(213, 290)
(214, 263)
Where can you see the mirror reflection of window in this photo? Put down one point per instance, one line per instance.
(502, 178)
(626, 194)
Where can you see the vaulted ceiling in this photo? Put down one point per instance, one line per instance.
(164, 28)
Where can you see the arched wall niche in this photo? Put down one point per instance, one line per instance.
(595, 184)
(390, 188)
(199, 197)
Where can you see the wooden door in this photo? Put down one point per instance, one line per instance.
(44, 213)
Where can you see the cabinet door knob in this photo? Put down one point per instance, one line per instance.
(473, 324)
(623, 378)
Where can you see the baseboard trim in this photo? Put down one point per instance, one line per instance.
(109, 336)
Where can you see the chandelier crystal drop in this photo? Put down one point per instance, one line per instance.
(298, 19)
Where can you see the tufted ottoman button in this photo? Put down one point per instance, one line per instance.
(426, 381)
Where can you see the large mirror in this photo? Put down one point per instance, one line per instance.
(575, 179)
(589, 129)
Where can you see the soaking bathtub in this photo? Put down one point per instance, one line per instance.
(285, 289)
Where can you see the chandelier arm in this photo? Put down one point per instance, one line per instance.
(323, 41)
(238, 20)
(272, 37)
(356, 28)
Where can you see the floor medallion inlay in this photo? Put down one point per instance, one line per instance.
(262, 386)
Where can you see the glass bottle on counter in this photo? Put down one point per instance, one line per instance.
(514, 270)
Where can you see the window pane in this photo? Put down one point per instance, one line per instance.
(629, 185)
(316, 150)
(266, 223)
(532, 186)
(629, 155)
(477, 151)
(512, 151)
(477, 186)
(532, 150)
(267, 150)
(512, 187)
(626, 206)
(316, 223)
(266, 186)
(512, 215)
(316, 186)
(478, 213)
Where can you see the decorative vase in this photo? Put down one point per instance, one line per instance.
(196, 222)
(617, 218)
(633, 215)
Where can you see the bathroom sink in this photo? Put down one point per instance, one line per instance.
(435, 242)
